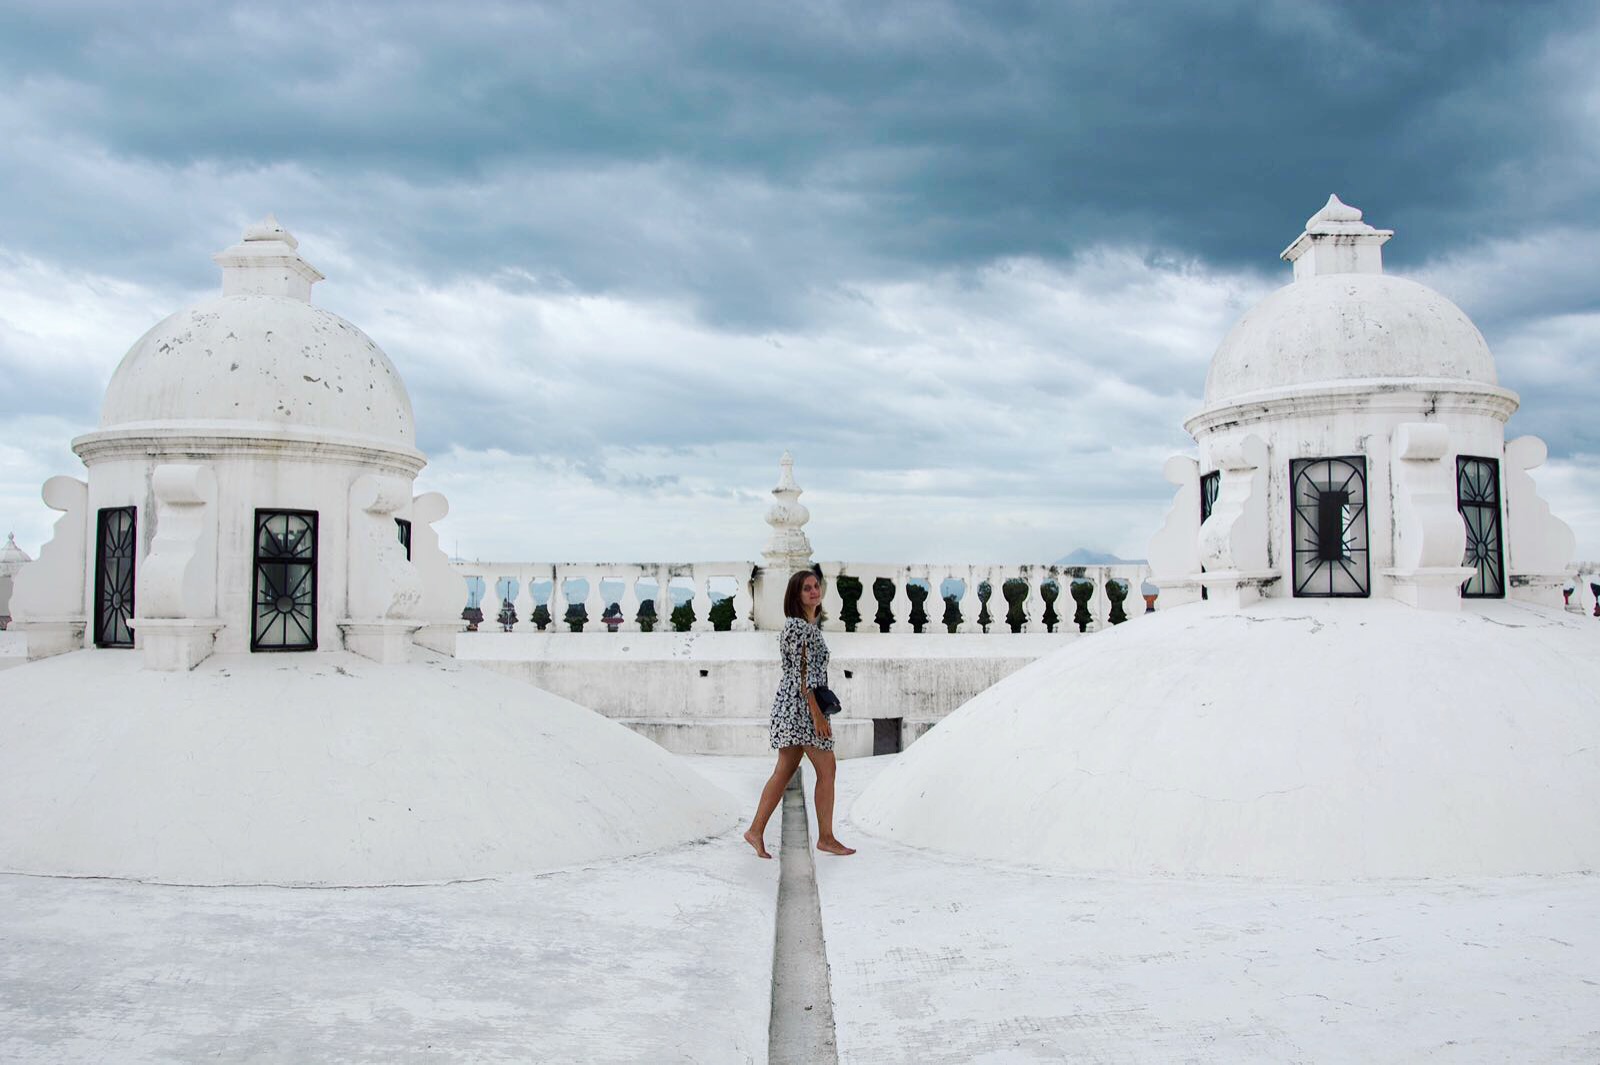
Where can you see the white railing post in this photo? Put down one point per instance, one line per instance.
(663, 599)
(1033, 605)
(594, 602)
(967, 601)
(558, 598)
(832, 601)
(743, 602)
(523, 603)
(900, 605)
(629, 600)
(702, 600)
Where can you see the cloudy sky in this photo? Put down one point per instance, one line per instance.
(969, 262)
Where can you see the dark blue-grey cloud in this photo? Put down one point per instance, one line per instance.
(800, 143)
(758, 181)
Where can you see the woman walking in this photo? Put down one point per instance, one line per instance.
(798, 724)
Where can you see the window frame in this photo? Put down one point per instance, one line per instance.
(101, 608)
(263, 514)
(1494, 508)
(1301, 576)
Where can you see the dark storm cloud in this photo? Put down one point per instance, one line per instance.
(745, 154)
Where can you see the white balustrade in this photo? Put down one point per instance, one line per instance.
(709, 581)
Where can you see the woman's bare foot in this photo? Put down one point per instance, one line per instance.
(833, 846)
(757, 842)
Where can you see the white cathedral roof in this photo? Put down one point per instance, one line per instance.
(260, 355)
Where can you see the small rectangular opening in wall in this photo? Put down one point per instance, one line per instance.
(849, 673)
(705, 673)
(886, 734)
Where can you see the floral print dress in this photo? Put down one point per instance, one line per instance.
(791, 715)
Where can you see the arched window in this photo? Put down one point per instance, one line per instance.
(116, 541)
(285, 597)
(1478, 499)
(1329, 502)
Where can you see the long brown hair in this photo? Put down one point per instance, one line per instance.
(793, 607)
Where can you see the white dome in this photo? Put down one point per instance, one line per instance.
(264, 360)
(1336, 327)
(327, 770)
(1294, 739)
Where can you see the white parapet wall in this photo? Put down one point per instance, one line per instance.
(711, 693)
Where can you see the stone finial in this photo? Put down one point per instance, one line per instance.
(788, 517)
(1337, 241)
(266, 262)
(11, 556)
(1336, 216)
(269, 229)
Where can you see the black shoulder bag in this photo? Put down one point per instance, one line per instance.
(827, 702)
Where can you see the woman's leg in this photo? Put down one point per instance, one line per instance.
(825, 766)
(771, 795)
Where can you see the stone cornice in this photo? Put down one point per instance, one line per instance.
(232, 439)
(1372, 395)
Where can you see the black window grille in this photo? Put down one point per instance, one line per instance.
(285, 599)
(1210, 485)
(403, 528)
(1329, 501)
(1478, 498)
(115, 542)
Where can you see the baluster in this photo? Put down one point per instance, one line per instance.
(483, 599)
(630, 599)
(664, 599)
(743, 601)
(594, 602)
(558, 599)
(930, 605)
(1033, 605)
(496, 600)
(962, 594)
(702, 601)
(900, 604)
(991, 575)
(523, 603)
(832, 601)
(1100, 605)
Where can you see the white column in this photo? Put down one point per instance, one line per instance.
(702, 600)
(558, 599)
(900, 605)
(630, 599)
(1033, 605)
(743, 602)
(664, 599)
(524, 602)
(594, 603)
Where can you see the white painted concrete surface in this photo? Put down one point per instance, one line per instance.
(711, 693)
(663, 958)
(323, 769)
(1298, 739)
(942, 961)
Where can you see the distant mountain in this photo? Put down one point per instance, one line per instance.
(1085, 557)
